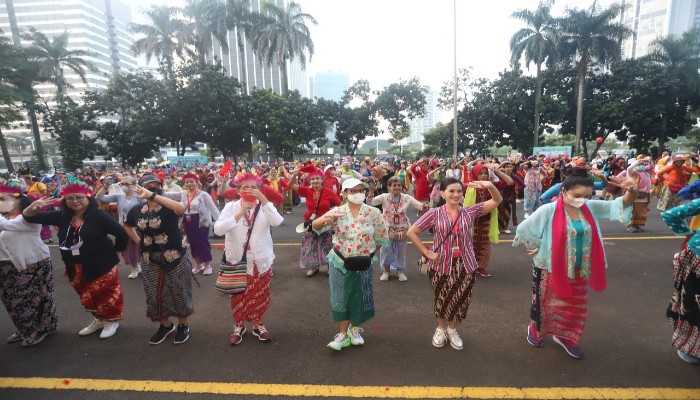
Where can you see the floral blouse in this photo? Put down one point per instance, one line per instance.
(161, 240)
(675, 218)
(394, 213)
(356, 236)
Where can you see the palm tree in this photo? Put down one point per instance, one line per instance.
(16, 40)
(19, 144)
(240, 18)
(680, 58)
(538, 42)
(56, 56)
(208, 20)
(590, 36)
(164, 38)
(283, 36)
(8, 94)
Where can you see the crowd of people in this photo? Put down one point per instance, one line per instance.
(356, 217)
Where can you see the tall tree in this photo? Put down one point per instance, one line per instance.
(164, 38)
(208, 20)
(538, 43)
(283, 36)
(9, 94)
(67, 122)
(240, 18)
(680, 59)
(14, 28)
(56, 56)
(590, 36)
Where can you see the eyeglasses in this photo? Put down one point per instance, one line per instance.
(75, 199)
(356, 191)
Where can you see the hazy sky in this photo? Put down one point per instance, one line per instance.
(384, 40)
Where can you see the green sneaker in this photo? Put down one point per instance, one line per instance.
(340, 341)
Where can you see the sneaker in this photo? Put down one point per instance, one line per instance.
(483, 273)
(507, 231)
(94, 326)
(183, 333)
(207, 270)
(527, 214)
(571, 349)
(312, 272)
(237, 335)
(340, 341)
(262, 334)
(30, 343)
(135, 272)
(687, 357)
(402, 276)
(197, 268)
(110, 328)
(531, 338)
(15, 337)
(439, 338)
(632, 229)
(163, 332)
(384, 277)
(355, 337)
(454, 339)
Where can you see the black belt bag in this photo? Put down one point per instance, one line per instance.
(356, 263)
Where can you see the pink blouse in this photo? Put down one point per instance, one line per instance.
(439, 220)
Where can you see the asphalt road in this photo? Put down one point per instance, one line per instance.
(626, 341)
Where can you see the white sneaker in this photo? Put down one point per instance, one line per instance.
(340, 341)
(311, 272)
(439, 338)
(507, 231)
(402, 276)
(355, 337)
(384, 277)
(110, 328)
(135, 272)
(455, 340)
(94, 326)
(527, 214)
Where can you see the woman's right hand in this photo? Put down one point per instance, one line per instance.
(42, 203)
(431, 255)
(534, 251)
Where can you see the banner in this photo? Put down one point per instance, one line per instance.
(185, 161)
(553, 150)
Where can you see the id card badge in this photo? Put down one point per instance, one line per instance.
(75, 249)
(188, 218)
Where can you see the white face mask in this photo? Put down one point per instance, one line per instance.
(357, 198)
(577, 202)
(6, 205)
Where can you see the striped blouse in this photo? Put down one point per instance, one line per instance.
(439, 220)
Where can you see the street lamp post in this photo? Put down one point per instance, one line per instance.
(454, 134)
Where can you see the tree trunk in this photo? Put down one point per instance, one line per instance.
(285, 78)
(538, 96)
(6, 154)
(243, 77)
(662, 133)
(37, 138)
(16, 40)
(582, 71)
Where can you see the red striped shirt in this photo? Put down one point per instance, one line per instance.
(439, 220)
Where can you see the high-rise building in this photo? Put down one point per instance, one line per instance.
(652, 19)
(260, 75)
(421, 125)
(98, 26)
(329, 85)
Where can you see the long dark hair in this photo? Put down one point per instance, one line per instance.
(443, 186)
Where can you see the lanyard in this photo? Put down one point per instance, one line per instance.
(76, 232)
(191, 199)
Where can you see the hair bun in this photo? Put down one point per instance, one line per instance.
(582, 172)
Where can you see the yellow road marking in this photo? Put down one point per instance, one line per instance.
(389, 392)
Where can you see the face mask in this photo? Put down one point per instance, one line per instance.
(168, 181)
(126, 189)
(577, 202)
(6, 205)
(158, 191)
(357, 198)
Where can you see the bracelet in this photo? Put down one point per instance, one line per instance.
(153, 196)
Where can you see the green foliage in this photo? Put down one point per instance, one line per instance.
(67, 123)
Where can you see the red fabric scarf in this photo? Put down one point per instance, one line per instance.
(560, 277)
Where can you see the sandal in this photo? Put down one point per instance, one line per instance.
(15, 337)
